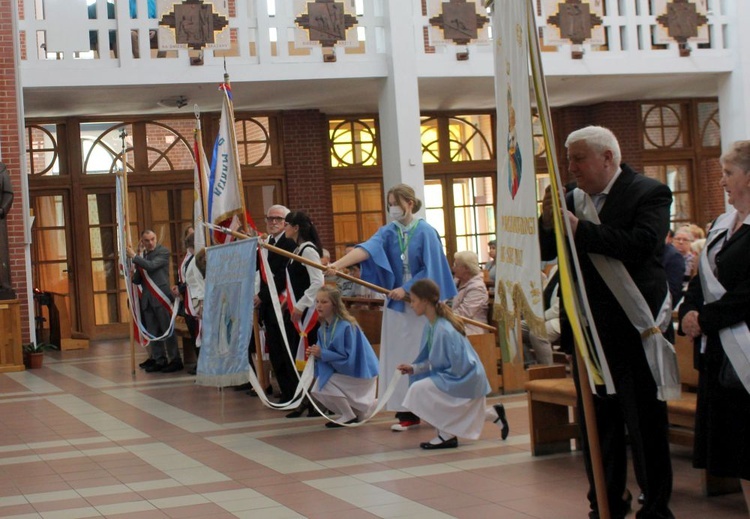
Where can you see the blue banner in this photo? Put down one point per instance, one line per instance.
(227, 314)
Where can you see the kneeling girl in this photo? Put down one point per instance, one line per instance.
(346, 367)
(448, 384)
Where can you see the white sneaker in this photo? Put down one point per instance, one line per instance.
(405, 425)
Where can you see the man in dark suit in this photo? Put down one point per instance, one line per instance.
(283, 368)
(634, 218)
(152, 273)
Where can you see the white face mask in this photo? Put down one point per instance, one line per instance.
(395, 212)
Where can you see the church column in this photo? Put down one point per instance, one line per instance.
(734, 103)
(401, 148)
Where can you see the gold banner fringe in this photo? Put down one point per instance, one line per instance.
(521, 307)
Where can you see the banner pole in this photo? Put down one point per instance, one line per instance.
(236, 155)
(342, 275)
(129, 238)
(587, 398)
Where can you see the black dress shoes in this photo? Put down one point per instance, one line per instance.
(268, 390)
(173, 366)
(445, 444)
(158, 365)
(505, 429)
(336, 425)
(146, 363)
(296, 413)
(243, 387)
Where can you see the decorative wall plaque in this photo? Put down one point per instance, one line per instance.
(326, 22)
(574, 21)
(459, 21)
(681, 21)
(193, 24)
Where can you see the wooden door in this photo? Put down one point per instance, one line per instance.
(53, 242)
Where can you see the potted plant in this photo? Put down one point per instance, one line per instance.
(33, 354)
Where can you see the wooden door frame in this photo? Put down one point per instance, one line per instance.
(70, 248)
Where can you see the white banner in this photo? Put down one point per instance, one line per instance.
(518, 273)
(224, 197)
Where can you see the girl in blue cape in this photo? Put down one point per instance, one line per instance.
(346, 367)
(447, 383)
(397, 255)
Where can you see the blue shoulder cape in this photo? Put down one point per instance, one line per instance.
(385, 268)
(348, 352)
(454, 366)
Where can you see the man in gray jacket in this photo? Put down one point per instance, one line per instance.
(152, 273)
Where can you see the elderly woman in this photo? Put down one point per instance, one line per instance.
(472, 298)
(716, 314)
(682, 241)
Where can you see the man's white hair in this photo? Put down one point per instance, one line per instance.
(598, 138)
(279, 207)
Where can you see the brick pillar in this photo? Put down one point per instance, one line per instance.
(11, 144)
(305, 148)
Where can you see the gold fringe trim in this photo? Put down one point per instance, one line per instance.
(521, 308)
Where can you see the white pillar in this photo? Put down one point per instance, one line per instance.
(401, 148)
(734, 103)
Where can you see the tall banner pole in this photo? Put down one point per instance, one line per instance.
(129, 238)
(569, 297)
(202, 180)
(236, 156)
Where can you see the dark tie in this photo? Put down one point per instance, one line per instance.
(272, 241)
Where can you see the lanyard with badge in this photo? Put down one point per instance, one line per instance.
(326, 342)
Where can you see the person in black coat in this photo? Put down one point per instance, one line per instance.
(634, 215)
(722, 420)
(282, 367)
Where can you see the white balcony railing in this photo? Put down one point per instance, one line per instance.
(265, 41)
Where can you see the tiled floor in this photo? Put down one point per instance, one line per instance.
(81, 437)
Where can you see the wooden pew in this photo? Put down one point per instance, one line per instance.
(369, 315)
(485, 344)
(188, 344)
(552, 420)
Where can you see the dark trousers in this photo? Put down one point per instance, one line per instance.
(156, 319)
(634, 407)
(283, 367)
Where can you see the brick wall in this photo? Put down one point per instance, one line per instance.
(11, 154)
(620, 117)
(709, 195)
(623, 119)
(305, 152)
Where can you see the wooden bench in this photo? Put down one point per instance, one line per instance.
(485, 344)
(188, 344)
(369, 315)
(552, 419)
